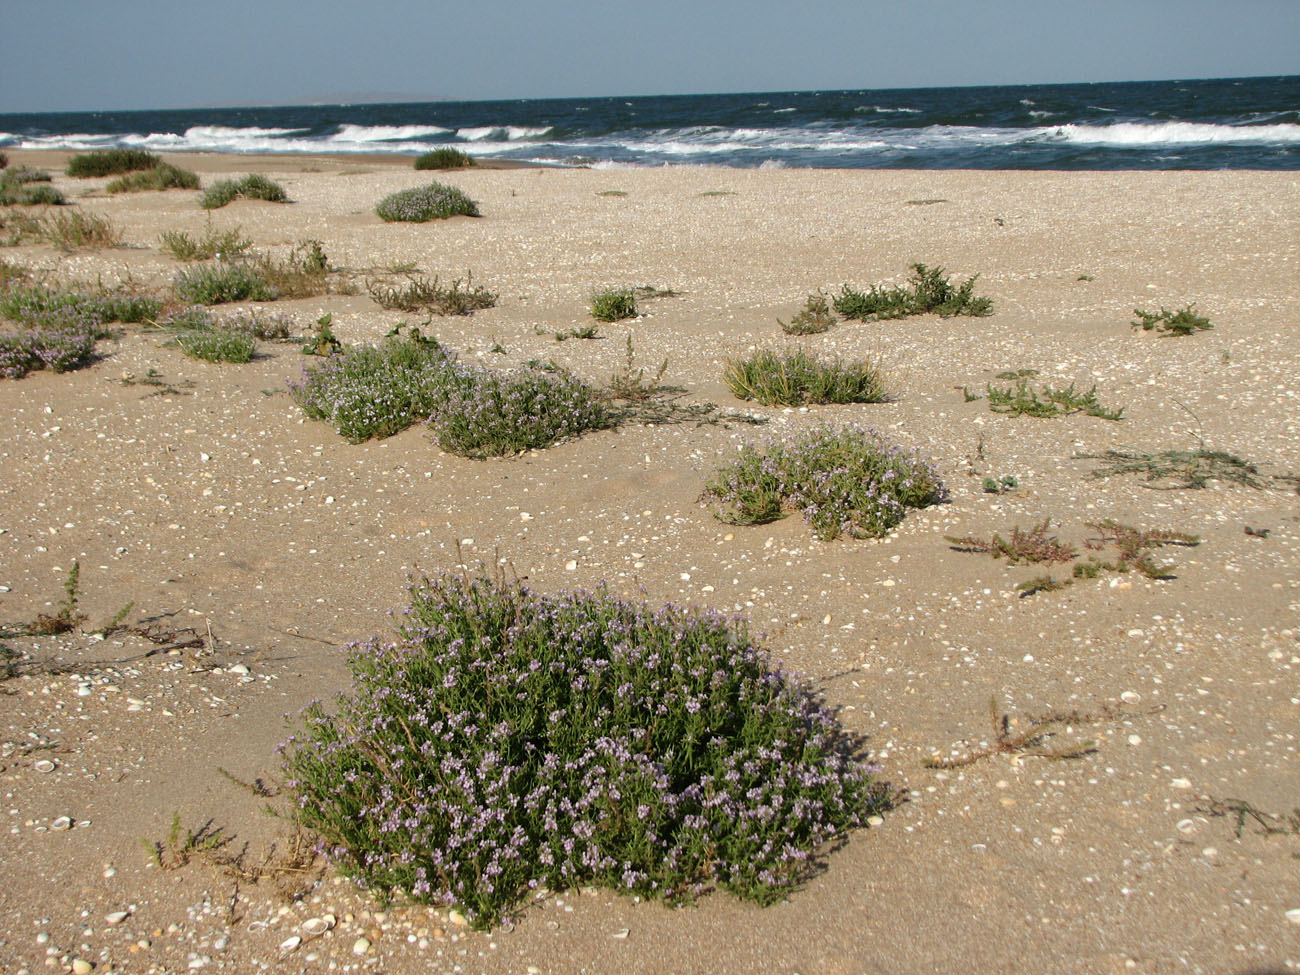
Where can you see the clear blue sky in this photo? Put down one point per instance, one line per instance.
(58, 55)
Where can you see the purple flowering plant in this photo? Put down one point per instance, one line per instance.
(848, 480)
(377, 391)
(507, 741)
(437, 201)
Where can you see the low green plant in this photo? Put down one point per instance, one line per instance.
(214, 284)
(1001, 485)
(424, 203)
(1185, 321)
(252, 187)
(1190, 468)
(506, 741)
(323, 342)
(75, 229)
(1020, 400)
(584, 332)
(225, 245)
(1029, 740)
(164, 176)
(815, 317)
(12, 273)
(844, 481)
(304, 273)
(214, 345)
(613, 304)
(462, 298)
(629, 383)
(929, 292)
(110, 162)
(17, 228)
(180, 844)
(796, 378)
(444, 158)
(1133, 548)
(1033, 546)
(611, 192)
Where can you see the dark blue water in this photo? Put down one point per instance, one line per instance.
(1250, 123)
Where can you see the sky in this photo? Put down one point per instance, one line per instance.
(82, 55)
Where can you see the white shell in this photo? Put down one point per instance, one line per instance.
(44, 765)
(290, 944)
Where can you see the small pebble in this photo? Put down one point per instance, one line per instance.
(457, 918)
(360, 946)
(1130, 697)
(117, 917)
(290, 944)
(1293, 915)
(82, 967)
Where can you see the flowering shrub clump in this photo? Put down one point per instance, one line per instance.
(844, 481)
(491, 414)
(433, 202)
(377, 391)
(508, 741)
(55, 349)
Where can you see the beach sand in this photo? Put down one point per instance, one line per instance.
(222, 509)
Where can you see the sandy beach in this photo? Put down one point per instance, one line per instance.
(222, 509)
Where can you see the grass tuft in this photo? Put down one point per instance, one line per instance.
(444, 158)
(217, 346)
(796, 378)
(110, 162)
(252, 187)
(164, 176)
(75, 229)
(220, 282)
(222, 246)
(506, 741)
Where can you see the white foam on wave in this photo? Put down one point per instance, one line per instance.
(1172, 133)
(508, 133)
(387, 133)
(885, 110)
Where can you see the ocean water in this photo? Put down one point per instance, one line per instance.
(1248, 123)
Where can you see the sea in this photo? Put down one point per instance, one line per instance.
(1235, 123)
